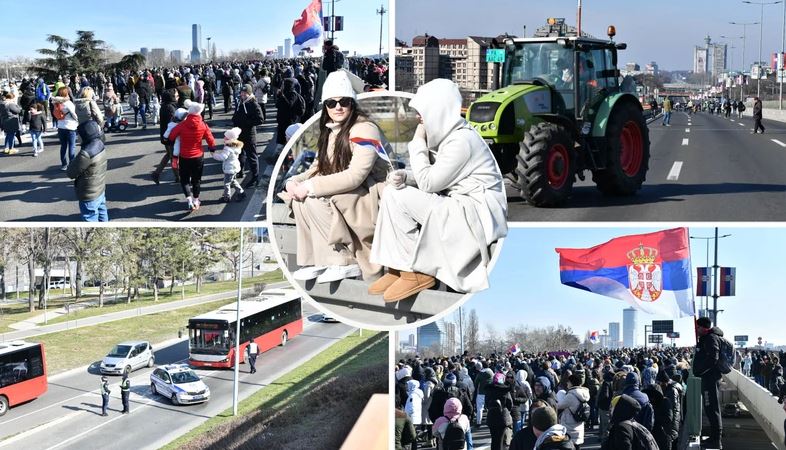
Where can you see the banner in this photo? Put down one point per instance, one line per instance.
(650, 272)
(702, 281)
(727, 281)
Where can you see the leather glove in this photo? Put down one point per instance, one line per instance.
(397, 179)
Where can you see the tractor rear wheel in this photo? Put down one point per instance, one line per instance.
(546, 165)
(628, 150)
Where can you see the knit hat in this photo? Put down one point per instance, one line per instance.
(499, 378)
(544, 418)
(292, 129)
(631, 379)
(195, 108)
(180, 113)
(248, 89)
(337, 85)
(232, 134)
(404, 372)
(449, 380)
(662, 377)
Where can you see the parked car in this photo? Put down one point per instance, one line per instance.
(127, 357)
(328, 318)
(179, 383)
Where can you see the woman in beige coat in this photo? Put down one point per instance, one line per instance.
(335, 202)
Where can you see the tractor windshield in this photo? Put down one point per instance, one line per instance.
(547, 61)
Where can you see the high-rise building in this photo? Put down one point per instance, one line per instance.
(176, 56)
(632, 67)
(145, 52)
(196, 43)
(719, 52)
(614, 335)
(629, 325)
(700, 59)
(287, 48)
(431, 338)
(651, 68)
(280, 51)
(411, 340)
(157, 56)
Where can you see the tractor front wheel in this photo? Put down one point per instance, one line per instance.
(628, 150)
(546, 165)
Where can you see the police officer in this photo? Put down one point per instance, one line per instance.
(125, 391)
(252, 350)
(705, 366)
(104, 395)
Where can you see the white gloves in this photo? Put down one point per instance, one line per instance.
(397, 179)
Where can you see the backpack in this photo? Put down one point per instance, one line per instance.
(455, 436)
(741, 106)
(41, 92)
(726, 355)
(582, 413)
(643, 439)
(59, 111)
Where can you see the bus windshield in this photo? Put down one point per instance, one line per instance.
(209, 337)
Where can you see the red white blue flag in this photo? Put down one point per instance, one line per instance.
(373, 145)
(514, 349)
(308, 28)
(594, 336)
(702, 281)
(651, 272)
(728, 282)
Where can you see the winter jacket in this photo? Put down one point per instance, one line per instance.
(555, 438)
(482, 380)
(37, 121)
(664, 416)
(757, 109)
(605, 393)
(451, 412)
(568, 406)
(621, 433)
(414, 404)
(673, 393)
(705, 362)
(229, 157)
(168, 108)
(9, 116)
(404, 431)
(88, 168)
(646, 414)
(524, 439)
(184, 93)
(143, 89)
(261, 89)
(247, 116)
(290, 105)
(191, 131)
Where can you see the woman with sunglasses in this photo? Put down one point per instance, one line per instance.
(440, 218)
(335, 202)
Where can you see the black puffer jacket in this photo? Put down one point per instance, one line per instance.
(621, 434)
(705, 364)
(247, 116)
(664, 416)
(88, 169)
(673, 394)
(168, 107)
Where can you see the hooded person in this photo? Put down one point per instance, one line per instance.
(541, 388)
(414, 404)
(664, 415)
(440, 218)
(482, 380)
(335, 202)
(705, 366)
(192, 131)
(569, 406)
(247, 117)
(290, 108)
(230, 164)
(403, 375)
(550, 435)
(452, 414)
(499, 404)
(646, 415)
(167, 111)
(625, 431)
(88, 170)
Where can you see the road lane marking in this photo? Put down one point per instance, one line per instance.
(732, 120)
(778, 142)
(37, 429)
(740, 124)
(685, 141)
(687, 130)
(674, 173)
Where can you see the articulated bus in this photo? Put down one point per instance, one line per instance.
(22, 373)
(271, 319)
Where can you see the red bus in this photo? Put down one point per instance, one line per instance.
(22, 373)
(271, 319)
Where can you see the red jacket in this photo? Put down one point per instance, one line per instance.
(191, 131)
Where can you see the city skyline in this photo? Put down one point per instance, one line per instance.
(526, 278)
(264, 30)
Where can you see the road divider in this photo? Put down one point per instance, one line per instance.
(674, 173)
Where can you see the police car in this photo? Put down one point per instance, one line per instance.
(180, 383)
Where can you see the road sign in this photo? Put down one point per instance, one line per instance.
(662, 326)
(741, 338)
(495, 55)
(656, 339)
(673, 335)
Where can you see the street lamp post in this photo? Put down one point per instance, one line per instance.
(761, 36)
(715, 268)
(744, 35)
(208, 48)
(381, 11)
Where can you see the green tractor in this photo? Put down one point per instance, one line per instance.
(562, 111)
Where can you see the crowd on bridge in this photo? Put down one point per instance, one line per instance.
(181, 100)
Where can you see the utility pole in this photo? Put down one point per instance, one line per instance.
(781, 62)
(332, 19)
(715, 283)
(761, 36)
(237, 327)
(381, 11)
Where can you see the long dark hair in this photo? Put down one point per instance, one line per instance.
(342, 152)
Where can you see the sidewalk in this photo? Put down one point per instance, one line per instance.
(133, 312)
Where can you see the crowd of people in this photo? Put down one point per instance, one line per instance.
(548, 400)
(181, 101)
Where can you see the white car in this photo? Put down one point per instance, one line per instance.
(179, 383)
(329, 318)
(127, 357)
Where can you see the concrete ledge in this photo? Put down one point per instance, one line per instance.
(762, 405)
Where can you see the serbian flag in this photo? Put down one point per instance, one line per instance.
(702, 281)
(651, 272)
(514, 349)
(594, 337)
(308, 28)
(373, 145)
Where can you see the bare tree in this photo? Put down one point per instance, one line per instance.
(472, 332)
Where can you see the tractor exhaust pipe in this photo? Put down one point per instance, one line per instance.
(578, 21)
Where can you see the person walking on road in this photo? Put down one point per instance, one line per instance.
(192, 132)
(125, 392)
(247, 116)
(252, 350)
(88, 170)
(757, 116)
(705, 366)
(104, 395)
(667, 112)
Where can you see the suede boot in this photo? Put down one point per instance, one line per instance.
(409, 284)
(381, 285)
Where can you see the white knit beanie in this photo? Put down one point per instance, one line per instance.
(195, 108)
(232, 134)
(337, 85)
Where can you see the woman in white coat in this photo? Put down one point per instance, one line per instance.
(443, 215)
(414, 405)
(568, 407)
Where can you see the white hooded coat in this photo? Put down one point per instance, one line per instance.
(571, 402)
(454, 161)
(414, 405)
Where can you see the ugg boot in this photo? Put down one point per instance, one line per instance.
(381, 285)
(409, 284)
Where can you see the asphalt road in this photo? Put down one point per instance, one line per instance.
(68, 415)
(35, 189)
(702, 168)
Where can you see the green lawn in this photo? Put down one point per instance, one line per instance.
(82, 346)
(296, 393)
(19, 312)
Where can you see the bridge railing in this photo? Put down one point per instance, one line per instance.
(762, 405)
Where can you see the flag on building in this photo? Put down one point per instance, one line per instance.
(594, 337)
(308, 29)
(514, 348)
(651, 272)
(702, 281)
(373, 145)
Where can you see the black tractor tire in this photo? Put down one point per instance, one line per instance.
(628, 154)
(546, 165)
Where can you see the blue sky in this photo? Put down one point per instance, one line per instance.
(525, 286)
(262, 24)
(664, 31)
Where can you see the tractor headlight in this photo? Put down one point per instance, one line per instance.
(483, 128)
(492, 127)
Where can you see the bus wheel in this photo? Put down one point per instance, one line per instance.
(3, 405)
(284, 337)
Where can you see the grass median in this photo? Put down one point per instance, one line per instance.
(17, 312)
(314, 406)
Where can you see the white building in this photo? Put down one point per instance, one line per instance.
(629, 326)
(614, 335)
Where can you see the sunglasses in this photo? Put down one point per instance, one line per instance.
(345, 102)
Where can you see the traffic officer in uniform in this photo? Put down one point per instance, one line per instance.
(125, 391)
(104, 395)
(705, 366)
(252, 350)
